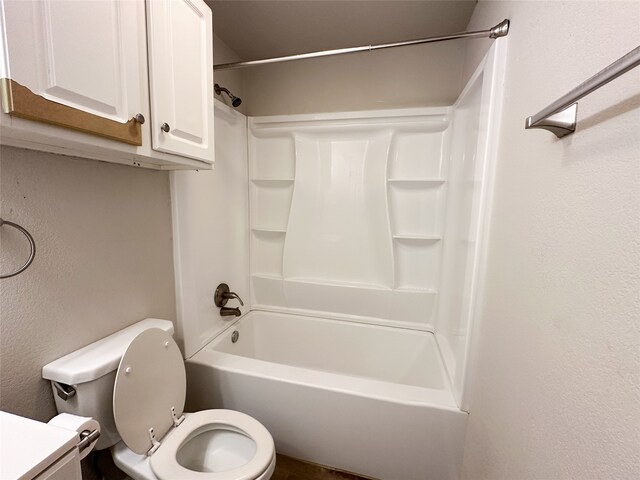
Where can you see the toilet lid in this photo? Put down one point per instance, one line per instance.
(150, 380)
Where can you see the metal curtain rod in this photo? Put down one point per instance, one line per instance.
(500, 30)
(561, 116)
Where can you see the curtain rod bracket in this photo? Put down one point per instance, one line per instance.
(500, 30)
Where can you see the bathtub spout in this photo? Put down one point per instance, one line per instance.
(228, 312)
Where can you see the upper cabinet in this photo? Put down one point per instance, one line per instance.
(84, 56)
(104, 79)
(181, 73)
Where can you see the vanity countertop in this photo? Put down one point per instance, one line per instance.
(28, 447)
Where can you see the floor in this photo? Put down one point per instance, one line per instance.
(289, 469)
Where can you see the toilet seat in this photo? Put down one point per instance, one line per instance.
(164, 461)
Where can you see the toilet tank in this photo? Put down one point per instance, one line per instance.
(91, 372)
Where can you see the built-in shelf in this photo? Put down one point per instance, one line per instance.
(272, 181)
(416, 290)
(269, 230)
(335, 283)
(425, 181)
(418, 238)
(268, 276)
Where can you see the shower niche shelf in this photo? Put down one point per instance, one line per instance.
(417, 263)
(428, 291)
(416, 211)
(267, 276)
(266, 252)
(332, 283)
(271, 174)
(271, 156)
(281, 231)
(416, 188)
(427, 182)
(272, 181)
(418, 238)
(418, 155)
(271, 204)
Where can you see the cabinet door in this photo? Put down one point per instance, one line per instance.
(180, 36)
(67, 468)
(84, 54)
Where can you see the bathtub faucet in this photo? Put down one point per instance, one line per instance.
(222, 296)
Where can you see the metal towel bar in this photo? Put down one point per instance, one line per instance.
(32, 245)
(561, 116)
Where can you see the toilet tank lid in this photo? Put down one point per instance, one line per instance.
(101, 357)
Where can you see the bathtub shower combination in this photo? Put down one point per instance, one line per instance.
(366, 238)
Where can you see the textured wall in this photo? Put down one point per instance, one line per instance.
(104, 261)
(424, 75)
(556, 392)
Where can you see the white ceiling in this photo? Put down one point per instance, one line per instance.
(266, 28)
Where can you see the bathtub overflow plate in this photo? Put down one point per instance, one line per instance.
(234, 336)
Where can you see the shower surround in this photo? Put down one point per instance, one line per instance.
(347, 214)
(363, 226)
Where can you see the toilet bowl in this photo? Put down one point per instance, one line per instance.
(211, 445)
(141, 407)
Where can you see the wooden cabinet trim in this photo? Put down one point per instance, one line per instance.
(19, 101)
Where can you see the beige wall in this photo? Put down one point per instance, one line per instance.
(556, 388)
(231, 79)
(424, 75)
(104, 261)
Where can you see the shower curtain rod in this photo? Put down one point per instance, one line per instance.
(500, 30)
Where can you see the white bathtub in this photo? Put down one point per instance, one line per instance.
(362, 398)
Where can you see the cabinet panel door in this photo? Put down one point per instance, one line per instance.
(84, 54)
(181, 77)
(67, 468)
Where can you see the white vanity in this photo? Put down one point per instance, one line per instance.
(31, 449)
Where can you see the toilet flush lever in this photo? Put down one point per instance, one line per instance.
(64, 391)
(223, 295)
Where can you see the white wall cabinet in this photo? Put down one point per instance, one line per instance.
(92, 56)
(82, 54)
(181, 74)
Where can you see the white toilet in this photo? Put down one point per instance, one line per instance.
(134, 383)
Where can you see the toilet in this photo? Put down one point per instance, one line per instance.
(134, 384)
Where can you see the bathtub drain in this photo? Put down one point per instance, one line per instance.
(234, 336)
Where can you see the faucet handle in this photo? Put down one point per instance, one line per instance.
(230, 295)
(223, 295)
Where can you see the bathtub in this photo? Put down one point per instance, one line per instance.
(362, 398)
